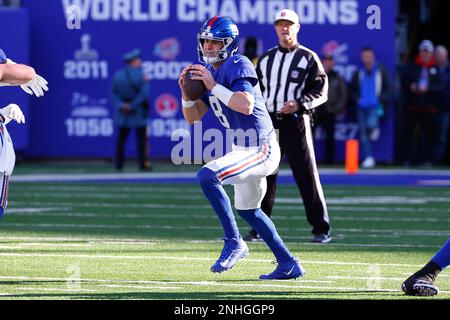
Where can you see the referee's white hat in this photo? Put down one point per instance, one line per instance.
(286, 14)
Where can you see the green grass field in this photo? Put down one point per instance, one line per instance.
(158, 241)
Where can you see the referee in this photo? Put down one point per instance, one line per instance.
(293, 82)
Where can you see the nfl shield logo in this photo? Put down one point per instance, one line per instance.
(294, 74)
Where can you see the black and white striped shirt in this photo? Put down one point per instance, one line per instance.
(292, 74)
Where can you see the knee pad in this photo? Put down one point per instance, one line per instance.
(207, 176)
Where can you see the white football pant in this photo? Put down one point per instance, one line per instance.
(246, 169)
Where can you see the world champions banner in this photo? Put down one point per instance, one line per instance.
(79, 58)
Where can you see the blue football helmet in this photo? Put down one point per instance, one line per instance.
(219, 29)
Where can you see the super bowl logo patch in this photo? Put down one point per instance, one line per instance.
(294, 74)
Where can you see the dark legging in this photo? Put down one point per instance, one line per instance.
(141, 135)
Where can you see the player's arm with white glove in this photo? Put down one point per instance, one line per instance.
(11, 112)
(13, 74)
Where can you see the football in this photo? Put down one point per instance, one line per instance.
(193, 89)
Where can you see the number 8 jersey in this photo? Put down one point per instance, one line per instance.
(257, 127)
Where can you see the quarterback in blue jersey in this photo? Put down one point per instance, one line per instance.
(421, 283)
(234, 95)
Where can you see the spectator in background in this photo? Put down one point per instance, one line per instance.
(423, 86)
(443, 117)
(370, 92)
(129, 93)
(337, 99)
(251, 49)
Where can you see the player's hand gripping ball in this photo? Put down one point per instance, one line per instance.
(193, 89)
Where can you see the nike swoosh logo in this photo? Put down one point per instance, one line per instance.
(236, 61)
(289, 272)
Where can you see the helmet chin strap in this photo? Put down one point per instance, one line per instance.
(219, 57)
(211, 60)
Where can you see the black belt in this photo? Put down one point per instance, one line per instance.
(282, 116)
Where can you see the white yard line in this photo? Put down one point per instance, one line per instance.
(319, 288)
(121, 241)
(55, 289)
(39, 210)
(152, 242)
(93, 244)
(365, 278)
(346, 200)
(358, 208)
(51, 213)
(193, 174)
(368, 245)
(140, 257)
(62, 177)
(122, 196)
(40, 244)
(110, 188)
(429, 233)
(150, 282)
(174, 190)
(138, 287)
(103, 204)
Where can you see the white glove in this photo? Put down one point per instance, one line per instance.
(36, 86)
(12, 112)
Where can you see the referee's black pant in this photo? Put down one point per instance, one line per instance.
(296, 142)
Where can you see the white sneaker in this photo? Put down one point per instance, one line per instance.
(368, 163)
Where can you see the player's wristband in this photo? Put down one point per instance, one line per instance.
(222, 93)
(187, 103)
